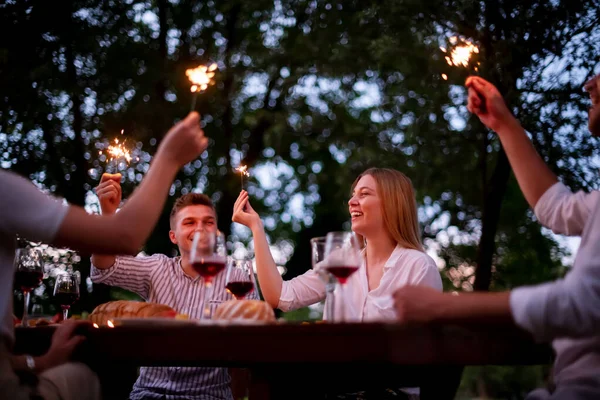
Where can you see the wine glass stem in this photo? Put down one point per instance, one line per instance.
(65, 311)
(342, 303)
(330, 302)
(206, 314)
(26, 296)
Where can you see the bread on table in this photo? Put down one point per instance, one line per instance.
(256, 310)
(130, 309)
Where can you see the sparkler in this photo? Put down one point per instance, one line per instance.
(201, 78)
(462, 55)
(242, 169)
(117, 151)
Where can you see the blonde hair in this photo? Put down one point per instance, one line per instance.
(399, 207)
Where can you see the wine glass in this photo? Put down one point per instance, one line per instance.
(208, 258)
(240, 278)
(342, 259)
(28, 275)
(66, 291)
(317, 247)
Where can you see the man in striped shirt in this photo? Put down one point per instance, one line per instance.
(171, 281)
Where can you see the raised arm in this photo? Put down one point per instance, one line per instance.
(533, 175)
(269, 279)
(126, 231)
(109, 195)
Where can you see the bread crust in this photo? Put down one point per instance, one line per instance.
(130, 309)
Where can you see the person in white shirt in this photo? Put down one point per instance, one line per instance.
(31, 214)
(384, 215)
(566, 311)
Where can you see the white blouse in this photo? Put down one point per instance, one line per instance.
(404, 267)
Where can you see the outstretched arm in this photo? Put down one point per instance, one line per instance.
(532, 173)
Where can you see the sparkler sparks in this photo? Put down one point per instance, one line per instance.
(201, 78)
(117, 151)
(460, 55)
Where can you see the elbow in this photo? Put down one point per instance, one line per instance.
(273, 302)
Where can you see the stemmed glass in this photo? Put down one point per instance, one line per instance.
(342, 259)
(317, 247)
(240, 278)
(28, 275)
(208, 257)
(66, 291)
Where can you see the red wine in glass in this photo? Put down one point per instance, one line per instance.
(240, 289)
(28, 280)
(341, 272)
(65, 299)
(208, 269)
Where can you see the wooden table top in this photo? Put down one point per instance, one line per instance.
(293, 343)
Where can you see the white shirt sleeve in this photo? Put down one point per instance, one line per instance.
(569, 307)
(26, 211)
(565, 212)
(301, 291)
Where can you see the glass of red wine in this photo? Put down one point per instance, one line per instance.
(28, 275)
(317, 247)
(342, 259)
(240, 280)
(208, 257)
(66, 291)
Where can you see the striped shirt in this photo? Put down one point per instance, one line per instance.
(161, 279)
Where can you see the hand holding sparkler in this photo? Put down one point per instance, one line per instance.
(184, 142)
(109, 193)
(244, 214)
(200, 77)
(485, 101)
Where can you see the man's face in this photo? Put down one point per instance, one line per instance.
(593, 88)
(188, 220)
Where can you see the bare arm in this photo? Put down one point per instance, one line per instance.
(424, 304)
(268, 276)
(126, 231)
(533, 175)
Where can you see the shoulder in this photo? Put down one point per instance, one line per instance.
(413, 258)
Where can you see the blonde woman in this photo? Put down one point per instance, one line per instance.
(384, 216)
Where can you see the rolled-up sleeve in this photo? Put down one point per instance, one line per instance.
(130, 273)
(301, 291)
(565, 212)
(569, 307)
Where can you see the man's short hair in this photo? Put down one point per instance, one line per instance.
(190, 199)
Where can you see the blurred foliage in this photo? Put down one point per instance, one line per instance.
(308, 94)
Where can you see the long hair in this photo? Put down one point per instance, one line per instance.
(399, 207)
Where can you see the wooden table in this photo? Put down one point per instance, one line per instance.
(291, 360)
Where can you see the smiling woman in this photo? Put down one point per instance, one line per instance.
(383, 212)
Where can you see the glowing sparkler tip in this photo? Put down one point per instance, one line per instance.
(242, 169)
(201, 76)
(460, 55)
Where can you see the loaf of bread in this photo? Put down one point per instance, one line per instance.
(244, 309)
(130, 309)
